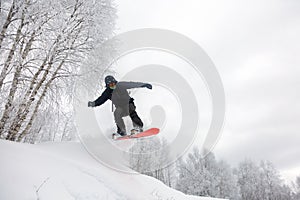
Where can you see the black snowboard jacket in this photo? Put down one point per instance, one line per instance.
(119, 96)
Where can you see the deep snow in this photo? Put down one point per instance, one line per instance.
(62, 171)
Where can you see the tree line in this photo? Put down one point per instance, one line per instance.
(200, 175)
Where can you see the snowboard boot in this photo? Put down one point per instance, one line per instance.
(136, 130)
(116, 135)
(122, 133)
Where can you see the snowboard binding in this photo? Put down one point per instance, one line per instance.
(133, 131)
(136, 131)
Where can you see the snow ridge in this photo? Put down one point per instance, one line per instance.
(66, 171)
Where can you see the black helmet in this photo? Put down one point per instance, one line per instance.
(109, 79)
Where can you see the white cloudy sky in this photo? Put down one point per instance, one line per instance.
(255, 46)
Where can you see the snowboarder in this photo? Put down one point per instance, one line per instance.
(118, 94)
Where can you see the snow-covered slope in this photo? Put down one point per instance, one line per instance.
(62, 171)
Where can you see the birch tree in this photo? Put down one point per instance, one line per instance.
(43, 46)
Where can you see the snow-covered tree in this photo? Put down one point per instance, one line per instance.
(297, 188)
(248, 180)
(43, 46)
(147, 159)
(261, 182)
(194, 177)
(226, 180)
(204, 176)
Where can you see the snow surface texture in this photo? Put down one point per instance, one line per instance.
(66, 171)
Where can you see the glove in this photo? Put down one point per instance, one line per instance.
(149, 86)
(91, 104)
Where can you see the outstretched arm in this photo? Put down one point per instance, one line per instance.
(100, 100)
(130, 85)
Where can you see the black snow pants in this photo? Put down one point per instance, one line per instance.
(121, 112)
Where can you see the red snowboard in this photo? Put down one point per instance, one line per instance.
(149, 132)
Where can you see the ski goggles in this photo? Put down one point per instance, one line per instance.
(112, 84)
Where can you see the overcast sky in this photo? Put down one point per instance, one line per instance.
(255, 46)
